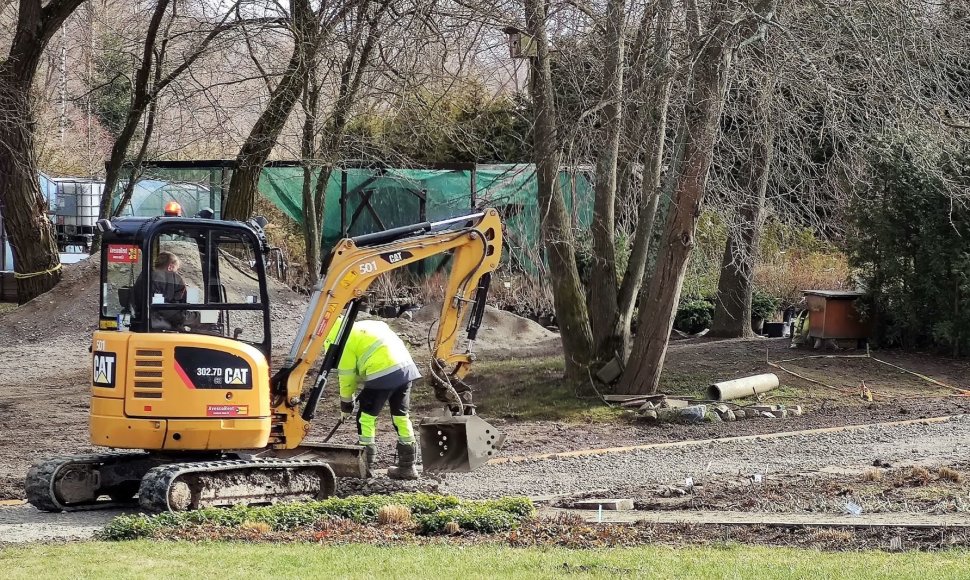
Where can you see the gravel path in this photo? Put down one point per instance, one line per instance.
(23, 523)
(915, 443)
(936, 443)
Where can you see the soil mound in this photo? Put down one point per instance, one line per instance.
(70, 310)
(69, 313)
(501, 331)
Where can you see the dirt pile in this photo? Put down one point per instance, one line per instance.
(69, 312)
(501, 331)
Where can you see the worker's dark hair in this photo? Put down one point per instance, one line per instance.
(165, 259)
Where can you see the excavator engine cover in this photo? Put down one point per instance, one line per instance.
(458, 444)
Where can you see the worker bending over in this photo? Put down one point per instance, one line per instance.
(376, 361)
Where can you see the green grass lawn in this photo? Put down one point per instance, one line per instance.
(172, 560)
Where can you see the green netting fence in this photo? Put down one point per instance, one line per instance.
(362, 200)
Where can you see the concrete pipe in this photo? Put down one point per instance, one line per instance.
(743, 387)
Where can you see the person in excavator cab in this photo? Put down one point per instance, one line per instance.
(376, 361)
(168, 287)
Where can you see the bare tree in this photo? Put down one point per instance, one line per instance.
(732, 310)
(567, 291)
(603, 279)
(711, 52)
(320, 145)
(24, 209)
(309, 30)
(141, 99)
(150, 80)
(652, 79)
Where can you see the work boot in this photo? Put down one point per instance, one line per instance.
(405, 462)
(370, 458)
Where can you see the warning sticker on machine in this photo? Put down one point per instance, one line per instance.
(123, 254)
(227, 410)
(326, 316)
(349, 279)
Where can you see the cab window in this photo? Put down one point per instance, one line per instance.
(205, 281)
(123, 266)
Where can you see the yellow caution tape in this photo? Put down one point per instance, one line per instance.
(20, 276)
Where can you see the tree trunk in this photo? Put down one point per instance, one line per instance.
(24, 208)
(243, 186)
(702, 111)
(654, 132)
(735, 287)
(311, 228)
(32, 239)
(603, 285)
(567, 292)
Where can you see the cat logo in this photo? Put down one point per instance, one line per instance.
(395, 257)
(104, 369)
(233, 376)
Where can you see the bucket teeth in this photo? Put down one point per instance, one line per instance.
(458, 444)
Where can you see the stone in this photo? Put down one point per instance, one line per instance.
(692, 414)
(610, 372)
(724, 412)
(675, 403)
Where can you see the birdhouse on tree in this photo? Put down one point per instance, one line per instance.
(521, 45)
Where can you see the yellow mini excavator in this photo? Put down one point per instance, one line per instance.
(181, 365)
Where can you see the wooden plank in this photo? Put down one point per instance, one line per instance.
(622, 398)
(634, 403)
(613, 504)
(734, 518)
(630, 398)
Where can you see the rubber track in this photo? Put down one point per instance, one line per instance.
(39, 482)
(153, 493)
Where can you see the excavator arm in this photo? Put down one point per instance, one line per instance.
(475, 244)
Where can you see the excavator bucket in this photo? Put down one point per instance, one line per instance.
(458, 444)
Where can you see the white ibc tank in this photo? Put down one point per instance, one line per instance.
(77, 202)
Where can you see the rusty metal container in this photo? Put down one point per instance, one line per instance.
(833, 315)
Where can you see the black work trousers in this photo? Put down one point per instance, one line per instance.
(372, 401)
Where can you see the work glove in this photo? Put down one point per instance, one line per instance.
(346, 409)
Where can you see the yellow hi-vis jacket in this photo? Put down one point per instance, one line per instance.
(374, 356)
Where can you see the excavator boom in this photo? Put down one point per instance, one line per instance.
(475, 244)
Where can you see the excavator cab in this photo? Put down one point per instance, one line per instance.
(187, 276)
(181, 356)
